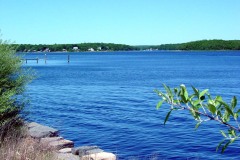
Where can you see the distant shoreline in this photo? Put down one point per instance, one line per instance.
(202, 45)
(134, 51)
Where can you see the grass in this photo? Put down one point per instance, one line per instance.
(20, 147)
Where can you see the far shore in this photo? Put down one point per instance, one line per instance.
(40, 52)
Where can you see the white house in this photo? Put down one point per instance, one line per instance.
(91, 49)
(75, 48)
(99, 48)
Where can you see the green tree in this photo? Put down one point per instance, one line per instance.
(13, 79)
(204, 108)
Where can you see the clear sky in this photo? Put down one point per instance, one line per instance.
(134, 22)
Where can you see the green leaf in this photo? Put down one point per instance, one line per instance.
(219, 113)
(226, 117)
(195, 105)
(183, 99)
(191, 97)
(197, 125)
(209, 96)
(222, 132)
(159, 104)
(176, 101)
(234, 102)
(196, 102)
(226, 145)
(169, 92)
(167, 116)
(195, 91)
(233, 132)
(162, 95)
(235, 116)
(212, 108)
(194, 114)
(220, 144)
(227, 108)
(203, 93)
(184, 93)
(218, 98)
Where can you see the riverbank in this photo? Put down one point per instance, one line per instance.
(62, 148)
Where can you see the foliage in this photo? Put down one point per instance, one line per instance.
(13, 79)
(199, 45)
(69, 47)
(204, 108)
(195, 45)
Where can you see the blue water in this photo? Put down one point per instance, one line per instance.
(107, 99)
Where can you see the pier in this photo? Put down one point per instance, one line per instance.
(45, 59)
(30, 59)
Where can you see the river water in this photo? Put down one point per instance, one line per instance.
(107, 99)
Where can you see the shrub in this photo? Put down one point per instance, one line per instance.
(13, 79)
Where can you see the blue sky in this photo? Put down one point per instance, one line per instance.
(134, 22)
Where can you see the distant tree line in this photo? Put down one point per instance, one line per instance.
(195, 45)
(74, 47)
(198, 45)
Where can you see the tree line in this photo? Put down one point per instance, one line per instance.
(194, 45)
(198, 45)
(73, 47)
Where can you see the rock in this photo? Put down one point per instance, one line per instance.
(63, 143)
(100, 156)
(93, 151)
(82, 150)
(47, 140)
(66, 156)
(56, 142)
(36, 130)
(65, 150)
(32, 124)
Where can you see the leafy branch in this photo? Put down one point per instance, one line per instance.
(204, 108)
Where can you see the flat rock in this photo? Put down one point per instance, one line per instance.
(83, 149)
(66, 156)
(63, 143)
(100, 156)
(36, 130)
(65, 150)
(47, 140)
(93, 151)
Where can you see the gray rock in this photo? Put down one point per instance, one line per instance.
(65, 150)
(36, 130)
(93, 151)
(47, 140)
(83, 149)
(66, 156)
(63, 143)
(56, 142)
(100, 156)
(32, 124)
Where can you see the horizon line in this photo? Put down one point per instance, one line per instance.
(124, 43)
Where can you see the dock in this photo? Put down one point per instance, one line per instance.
(45, 59)
(30, 59)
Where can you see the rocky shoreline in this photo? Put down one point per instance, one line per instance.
(65, 149)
